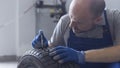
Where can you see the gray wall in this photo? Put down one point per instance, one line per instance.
(17, 26)
(113, 4)
(25, 25)
(7, 27)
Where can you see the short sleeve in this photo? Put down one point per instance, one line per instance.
(57, 37)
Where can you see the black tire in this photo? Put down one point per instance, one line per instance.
(40, 59)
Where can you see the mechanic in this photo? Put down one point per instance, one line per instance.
(88, 35)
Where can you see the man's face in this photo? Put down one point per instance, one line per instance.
(81, 20)
(81, 24)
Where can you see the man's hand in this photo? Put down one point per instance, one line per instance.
(40, 41)
(66, 54)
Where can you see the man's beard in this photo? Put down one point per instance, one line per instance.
(78, 31)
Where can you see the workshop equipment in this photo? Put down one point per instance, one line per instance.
(39, 58)
(56, 11)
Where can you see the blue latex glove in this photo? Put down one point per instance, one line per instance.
(40, 41)
(65, 54)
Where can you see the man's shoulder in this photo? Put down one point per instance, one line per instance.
(65, 17)
(112, 11)
(64, 21)
(113, 15)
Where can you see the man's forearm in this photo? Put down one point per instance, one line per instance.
(110, 54)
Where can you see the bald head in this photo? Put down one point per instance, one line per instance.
(85, 14)
(95, 7)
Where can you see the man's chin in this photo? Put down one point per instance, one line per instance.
(78, 31)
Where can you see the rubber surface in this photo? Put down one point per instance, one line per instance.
(40, 59)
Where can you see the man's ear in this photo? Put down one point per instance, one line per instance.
(98, 19)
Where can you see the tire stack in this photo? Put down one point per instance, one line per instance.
(39, 58)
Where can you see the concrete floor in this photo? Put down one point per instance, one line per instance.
(8, 64)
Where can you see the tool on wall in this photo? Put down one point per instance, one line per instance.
(56, 11)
